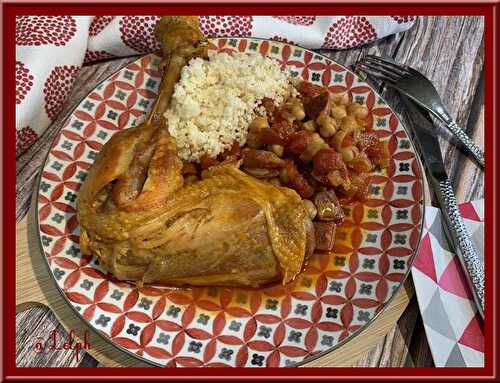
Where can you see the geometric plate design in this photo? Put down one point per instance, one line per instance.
(331, 301)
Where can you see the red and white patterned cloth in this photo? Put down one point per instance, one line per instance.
(50, 50)
(453, 327)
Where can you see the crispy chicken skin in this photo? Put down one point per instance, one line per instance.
(144, 225)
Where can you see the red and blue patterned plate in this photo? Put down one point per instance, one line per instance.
(338, 294)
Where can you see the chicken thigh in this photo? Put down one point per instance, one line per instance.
(144, 225)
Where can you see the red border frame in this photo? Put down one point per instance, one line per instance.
(489, 9)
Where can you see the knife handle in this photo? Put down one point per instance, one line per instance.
(466, 141)
(466, 250)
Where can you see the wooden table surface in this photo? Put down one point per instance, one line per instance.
(448, 50)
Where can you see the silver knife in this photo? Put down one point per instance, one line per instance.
(439, 183)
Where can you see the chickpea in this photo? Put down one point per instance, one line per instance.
(322, 120)
(351, 108)
(345, 99)
(340, 98)
(338, 112)
(348, 153)
(310, 126)
(361, 112)
(298, 112)
(327, 126)
(293, 110)
(279, 150)
(349, 123)
(327, 131)
(316, 144)
(259, 123)
(310, 208)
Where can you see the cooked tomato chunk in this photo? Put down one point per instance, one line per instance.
(297, 181)
(310, 90)
(318, 105)
(297, 144)
(326, 160)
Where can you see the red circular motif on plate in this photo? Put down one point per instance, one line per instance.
(297, 20)
(226, 25)
(24, 81)
(57, 87)
(99, 23)
(43, 30)
(349, 32)
(137, 32)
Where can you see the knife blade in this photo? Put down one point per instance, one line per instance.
(428, 145)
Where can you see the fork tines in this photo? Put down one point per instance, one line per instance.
(382, 68)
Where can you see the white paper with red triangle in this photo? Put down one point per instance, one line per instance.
(442, 257)
(454, 329)
(424, 262)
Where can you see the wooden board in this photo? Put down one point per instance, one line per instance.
(35, 286)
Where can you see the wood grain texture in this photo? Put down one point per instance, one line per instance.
(41, 320)
(449, 50)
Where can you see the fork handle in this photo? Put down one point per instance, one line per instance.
(460, 238)
(475, 150)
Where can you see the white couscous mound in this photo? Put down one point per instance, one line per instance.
(215, 101)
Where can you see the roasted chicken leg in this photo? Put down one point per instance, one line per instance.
(144, 225)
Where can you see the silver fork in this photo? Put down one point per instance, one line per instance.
(419, 88)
